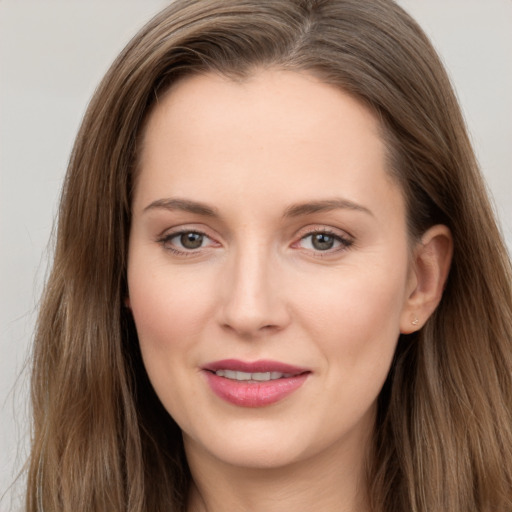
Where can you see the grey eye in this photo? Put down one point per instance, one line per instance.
(322, 241)
(191, 240)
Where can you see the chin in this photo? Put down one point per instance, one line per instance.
(252, 450)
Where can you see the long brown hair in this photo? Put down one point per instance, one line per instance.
(101, 439)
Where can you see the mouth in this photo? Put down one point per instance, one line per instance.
(252, 377)
(253, 384)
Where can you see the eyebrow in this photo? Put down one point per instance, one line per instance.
(184, 205)
(296, 210)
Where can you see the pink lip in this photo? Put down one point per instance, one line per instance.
(254, 367)
(251, 393)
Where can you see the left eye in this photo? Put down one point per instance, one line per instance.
(322, 241)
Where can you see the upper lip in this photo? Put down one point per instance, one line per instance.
(261, 366)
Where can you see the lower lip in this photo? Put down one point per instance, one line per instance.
(254, 394)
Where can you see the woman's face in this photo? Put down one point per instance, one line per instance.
(268, 267)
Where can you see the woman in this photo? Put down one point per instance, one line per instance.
(278, 283)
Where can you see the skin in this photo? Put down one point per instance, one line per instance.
(258, 288)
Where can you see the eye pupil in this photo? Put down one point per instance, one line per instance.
(191, 240)
(322, 241)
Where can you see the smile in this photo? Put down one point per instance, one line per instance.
(252, 377)
(253, 384)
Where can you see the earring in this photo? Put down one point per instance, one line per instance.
(415, 322)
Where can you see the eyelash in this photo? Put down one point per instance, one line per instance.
(344, 242)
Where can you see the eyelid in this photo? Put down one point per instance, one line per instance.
(323, 228)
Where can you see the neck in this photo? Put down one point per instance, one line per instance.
(332, 481)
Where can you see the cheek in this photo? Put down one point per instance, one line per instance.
(355, 316)
(170, 310)
(169, 307)
(356, 328)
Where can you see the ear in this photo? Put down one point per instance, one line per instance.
(127, 303)
(428, 273)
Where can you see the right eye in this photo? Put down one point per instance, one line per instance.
(183, 242)
(189, 240)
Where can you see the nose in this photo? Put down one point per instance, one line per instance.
(253, 299)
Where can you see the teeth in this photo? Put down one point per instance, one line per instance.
(262, 376)
(257, 376)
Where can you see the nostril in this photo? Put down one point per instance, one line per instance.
(247, 330)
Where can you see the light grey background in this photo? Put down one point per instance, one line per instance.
(53, 54)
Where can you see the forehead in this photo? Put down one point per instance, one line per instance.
(276, 131)
(298, 99)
